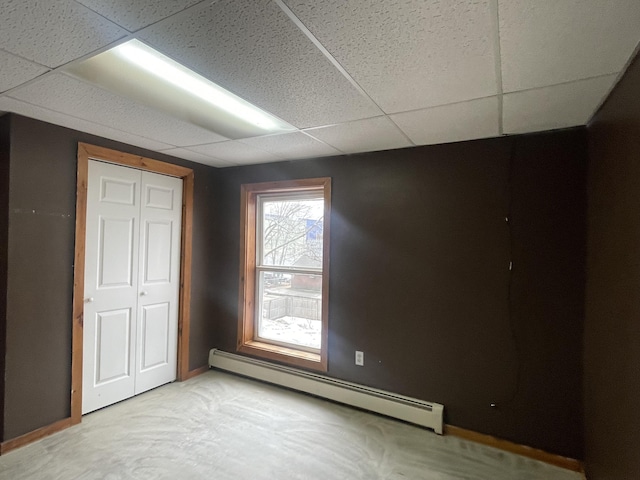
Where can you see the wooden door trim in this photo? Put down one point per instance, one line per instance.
(85, 153)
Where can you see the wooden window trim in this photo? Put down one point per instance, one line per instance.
(85, 153)
(247, 291)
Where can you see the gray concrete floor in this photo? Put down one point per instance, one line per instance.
(219, 426)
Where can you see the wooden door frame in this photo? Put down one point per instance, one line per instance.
(88, 152)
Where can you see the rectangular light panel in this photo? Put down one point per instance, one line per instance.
(140, 73)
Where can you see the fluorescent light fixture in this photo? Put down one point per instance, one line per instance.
(140, 73)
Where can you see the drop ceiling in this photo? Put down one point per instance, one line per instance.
(351, 75)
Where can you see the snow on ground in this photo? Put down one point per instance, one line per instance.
(299, 331)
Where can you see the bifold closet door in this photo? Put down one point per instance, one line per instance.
(132, 262)
(159, 281)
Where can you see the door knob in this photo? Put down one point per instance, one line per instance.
(88, 299)
(143, 293)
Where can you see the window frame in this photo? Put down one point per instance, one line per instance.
(248, 342)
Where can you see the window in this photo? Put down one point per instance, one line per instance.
(284, 271)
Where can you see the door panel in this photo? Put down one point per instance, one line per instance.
(159, 197)
(132, 273)
(117, 190)
(161, 215)
(157, 261)
(116, 252)
(113, 343)
(131, 283)
(155, 336)
(111, 285)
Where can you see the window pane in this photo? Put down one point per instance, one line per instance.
(292, 232)
(290, 308)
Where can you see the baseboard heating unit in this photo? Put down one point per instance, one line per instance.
(426, 414)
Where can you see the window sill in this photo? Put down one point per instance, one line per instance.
(288, 356)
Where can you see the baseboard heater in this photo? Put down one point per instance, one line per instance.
(409, 409)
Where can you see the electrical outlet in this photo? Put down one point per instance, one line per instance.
(359, 358)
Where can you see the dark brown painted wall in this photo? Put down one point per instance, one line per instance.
(612, 326)
(419, 276)
(420, 282)
(40, 272)
(4, 239)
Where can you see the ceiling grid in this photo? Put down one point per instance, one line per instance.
(495, 13)
(351, 75)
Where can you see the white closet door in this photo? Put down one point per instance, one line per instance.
(132, 274)
(159, 277)
(111, 285)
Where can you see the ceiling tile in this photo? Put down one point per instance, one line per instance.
(408, 54)
(451, 123)
(253, 49)
(236, 153)
(559, 106)
(53, 33)
(546, 43)
(16, 71)
(67, 95)
(57, 118)
(136, 14)
(291, 146)
(195, 157)
(367, 135)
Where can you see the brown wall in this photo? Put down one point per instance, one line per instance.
(4, 238)
(40, 272)
(419, 276)
(612, 326)
(420, 282)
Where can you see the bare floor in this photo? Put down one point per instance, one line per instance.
(218, 426)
